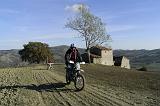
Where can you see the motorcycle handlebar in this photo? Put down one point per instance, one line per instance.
(72, 62)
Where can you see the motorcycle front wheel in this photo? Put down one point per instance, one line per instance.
(79, 82)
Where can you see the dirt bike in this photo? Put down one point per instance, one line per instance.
(73, 73)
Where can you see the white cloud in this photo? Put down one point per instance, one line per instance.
(75, 7)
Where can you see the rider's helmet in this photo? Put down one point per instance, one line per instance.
(72, 45)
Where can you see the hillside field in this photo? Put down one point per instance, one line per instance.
(105, 86)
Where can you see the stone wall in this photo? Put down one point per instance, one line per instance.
(125, 63)
(97, 60)
(107, 57)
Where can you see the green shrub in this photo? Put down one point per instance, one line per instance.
(143, 69)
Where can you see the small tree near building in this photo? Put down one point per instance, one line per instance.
(36, 52)
(91, 28)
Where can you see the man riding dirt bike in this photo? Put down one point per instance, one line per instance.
(73, 60)
(72, 54)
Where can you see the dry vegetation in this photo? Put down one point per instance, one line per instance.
(106, 86)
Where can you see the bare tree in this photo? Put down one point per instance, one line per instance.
(90, 27)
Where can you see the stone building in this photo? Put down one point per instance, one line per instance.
(100, 55)
(122, 61)
(103, 55)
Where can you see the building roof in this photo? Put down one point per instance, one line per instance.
(92, 55)
(95, 56)
(101, 47)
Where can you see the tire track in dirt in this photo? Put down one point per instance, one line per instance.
(73, 93)
(91, 95)
(38, 87)
(90, 100)
(68, 96)
(93, 99)
(42, 80)
(80, 99)
(113, 96)
(101, 100)
(108, 98)
(65, 96)
(56, 95)
(38, 93)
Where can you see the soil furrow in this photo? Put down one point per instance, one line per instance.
(73, 94)
(67, 99)
(104, 99)
(57, 97)
(69, 96)
(109, 96)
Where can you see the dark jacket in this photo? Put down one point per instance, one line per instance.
(72, 54)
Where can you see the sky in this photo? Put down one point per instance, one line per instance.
(132, 24)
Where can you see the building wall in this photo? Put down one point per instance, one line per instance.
(107, 57)
(125, 63)
(97, 60)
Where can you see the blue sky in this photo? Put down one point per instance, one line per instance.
(132, 24)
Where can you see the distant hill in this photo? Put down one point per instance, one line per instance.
(138, 58)
(9, 58)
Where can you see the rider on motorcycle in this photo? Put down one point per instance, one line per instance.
(72, 54)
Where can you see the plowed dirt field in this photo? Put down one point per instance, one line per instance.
(105, 86)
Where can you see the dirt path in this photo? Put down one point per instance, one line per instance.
(39, 87)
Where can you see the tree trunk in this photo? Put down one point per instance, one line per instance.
(89, 56)
(47, 60)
